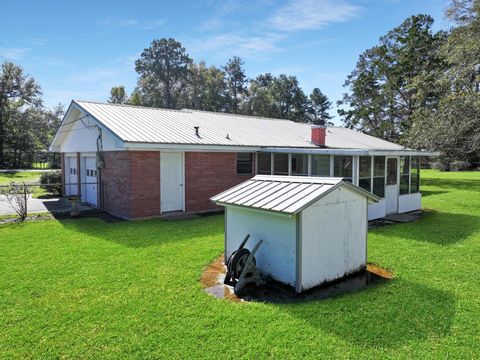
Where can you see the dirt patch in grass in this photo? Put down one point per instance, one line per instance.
(275, 292)
(212, 281)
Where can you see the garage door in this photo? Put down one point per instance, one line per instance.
(71, 180)
(90, 181)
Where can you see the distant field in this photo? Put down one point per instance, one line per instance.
(29, 177)
(20, 176)
(41, 165)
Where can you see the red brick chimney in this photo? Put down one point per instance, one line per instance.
(319, 134)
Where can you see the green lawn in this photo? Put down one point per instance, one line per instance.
(28, 177)
(20, 176)
(89, 289)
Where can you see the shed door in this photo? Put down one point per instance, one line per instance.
(171, 181)
(391, 189)
(90, 186)
(71, 187)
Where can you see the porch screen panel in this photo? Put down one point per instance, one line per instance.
(300, 164)
(379, 176)
(404, 175)
(415, 175)
(264, 163)
(365, 172)
(280, 164)
(321, 165)
(342, 167)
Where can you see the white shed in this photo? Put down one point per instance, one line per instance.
(314, 230)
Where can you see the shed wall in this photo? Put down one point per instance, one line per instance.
(276, 256)
(376, 210)
(333, 237)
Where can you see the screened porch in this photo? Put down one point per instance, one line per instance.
(396, 179)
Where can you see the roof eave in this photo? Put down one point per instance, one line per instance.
(346, 151)
(274, 212)
(339, 183)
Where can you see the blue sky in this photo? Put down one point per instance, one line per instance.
(80, 50)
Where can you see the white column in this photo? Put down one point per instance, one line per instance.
(289, 164)
(409, 174)
(371, 174)
(309, 164)
(271, 163)
(331, 166)
(355, 169)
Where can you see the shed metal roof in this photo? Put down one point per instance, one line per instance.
(283, 194)
(135, 124)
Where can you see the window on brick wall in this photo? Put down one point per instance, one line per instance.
(244, 163)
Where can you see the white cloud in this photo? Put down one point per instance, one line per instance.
(151, 24)
(57, 62)
(132, 23)
(35, 41)
(241, 44)
(311, 14)
(95, 76)
(119, 22)
(211, 24)
(13, 53)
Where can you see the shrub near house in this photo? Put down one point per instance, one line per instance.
(51, 182)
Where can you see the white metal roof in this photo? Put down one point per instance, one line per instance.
(134, 124)
(283, 194)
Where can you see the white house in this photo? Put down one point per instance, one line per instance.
(138, 162)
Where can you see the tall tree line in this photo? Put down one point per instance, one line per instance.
(26, 126)
(169, 78)
(421, 88)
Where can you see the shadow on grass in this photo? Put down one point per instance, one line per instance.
(426, 193)
(452, 185)
(48, 196)
(442, 228)
(384, 317)
(144, 233)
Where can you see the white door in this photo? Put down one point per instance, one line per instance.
(90, 186)
(171, 181)
(391, 189)
(71, 187)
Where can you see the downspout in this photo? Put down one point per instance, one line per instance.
(100, 166)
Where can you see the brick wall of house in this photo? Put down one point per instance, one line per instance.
(116, 182)
(131, 181)
(207, 174)
(145, 183)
